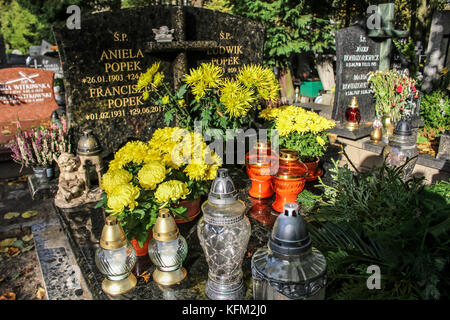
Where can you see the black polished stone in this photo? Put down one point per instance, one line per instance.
(356, 55)
(103, 60)
(361, 132)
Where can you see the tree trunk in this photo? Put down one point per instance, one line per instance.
(286, 85)
(324, 65)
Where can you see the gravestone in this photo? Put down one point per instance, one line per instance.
(438, 52)
(25, 94)
(46, 63)
(103, 60)
(356, 56)
(2, 52)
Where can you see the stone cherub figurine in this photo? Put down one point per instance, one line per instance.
(163, 34)
(72, 190)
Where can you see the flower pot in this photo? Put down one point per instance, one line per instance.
(312, 169)
(143, 261)
(193, 209)
(43, 173)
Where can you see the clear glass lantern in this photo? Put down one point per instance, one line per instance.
(289, 268)
(224, 232)
(167, 250)
(115, 259)
(402, 148)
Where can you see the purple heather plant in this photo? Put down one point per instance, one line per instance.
(37, 147)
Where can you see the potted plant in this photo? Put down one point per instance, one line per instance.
(35, 148)
(175, 166)
(301, 130)
(394, 93)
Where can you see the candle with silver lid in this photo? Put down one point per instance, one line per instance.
(224, 232)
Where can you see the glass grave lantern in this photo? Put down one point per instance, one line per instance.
(402, 148)
(289, 268)
(224, 232)
(167, 250)
(115, 259)
(352, 115)
(260, 164)
(289, 180)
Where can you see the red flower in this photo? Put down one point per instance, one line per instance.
(399, 89)
(413, 89)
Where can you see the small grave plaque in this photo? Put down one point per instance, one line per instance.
(25, 94)
(104, 59)
(356, 56)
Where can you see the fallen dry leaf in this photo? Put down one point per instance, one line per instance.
(40, 294)
(8, 296)
(146, 276)
(7, 242)
(27, 238)
(11, 215)
(12, 252)
(28, 214)
(28, 270)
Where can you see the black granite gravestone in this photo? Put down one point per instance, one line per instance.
(356, 56)
(46, 63)
(103, 60)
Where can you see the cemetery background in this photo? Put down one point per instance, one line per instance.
(355, 148)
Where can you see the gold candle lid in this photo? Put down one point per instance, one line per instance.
(288, 155)
(354, 103)
(165, 228)
(113, 237)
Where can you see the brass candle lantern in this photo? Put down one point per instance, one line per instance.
(115, 259)
(89, 152)
(167, 250)
(376, 134)
(352, 115)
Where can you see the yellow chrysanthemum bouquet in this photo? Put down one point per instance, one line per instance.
(299, 129)
(215, 102)
(174, 165)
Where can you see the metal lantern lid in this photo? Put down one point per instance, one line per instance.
(165, 228)
(88, 144)
(113, 237)
(289, 234)
(222, 190)
(403, 128)
(353, 103)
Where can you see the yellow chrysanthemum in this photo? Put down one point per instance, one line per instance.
(151, 174)
(320, 141)
(114, 178)
(157, 80)
(146, 78)
(172, 190)
(236, 98)
(181, 102)
(123, 196)
(289, 119)
(133, 151)
(262, 79)
(165, 100)
(200, 80)
(197, 171)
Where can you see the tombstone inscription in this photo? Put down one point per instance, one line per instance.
(356, 56)
(25, 94)
(103, 61)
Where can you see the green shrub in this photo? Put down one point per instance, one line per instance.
(435, 111)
